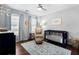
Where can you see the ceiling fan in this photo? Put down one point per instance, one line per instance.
(41, 7)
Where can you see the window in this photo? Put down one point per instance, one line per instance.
(15, 24)
(33, 24)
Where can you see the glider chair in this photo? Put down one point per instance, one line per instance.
(38, 35)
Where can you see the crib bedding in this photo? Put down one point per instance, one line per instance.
(44, 49)
(55, 38)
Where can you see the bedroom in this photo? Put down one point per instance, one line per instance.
(40, 29)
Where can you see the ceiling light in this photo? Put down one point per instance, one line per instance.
(39, 9)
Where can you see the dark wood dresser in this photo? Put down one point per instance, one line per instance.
(7, 43)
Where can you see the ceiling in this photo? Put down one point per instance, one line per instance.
(51, 8)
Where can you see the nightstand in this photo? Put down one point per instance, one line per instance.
(31, 36)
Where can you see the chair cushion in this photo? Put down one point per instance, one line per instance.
(38, 30)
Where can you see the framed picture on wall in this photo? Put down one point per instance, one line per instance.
(57, 21)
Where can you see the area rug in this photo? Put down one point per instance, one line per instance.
(44, 49)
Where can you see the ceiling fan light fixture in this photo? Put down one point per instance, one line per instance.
(39, 8)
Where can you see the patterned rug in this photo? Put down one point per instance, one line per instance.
(45, 49)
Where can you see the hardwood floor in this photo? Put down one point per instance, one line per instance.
(75, 51)
(20, 50)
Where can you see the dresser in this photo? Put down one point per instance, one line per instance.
(7, 43)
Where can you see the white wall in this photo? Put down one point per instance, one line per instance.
(70, 21)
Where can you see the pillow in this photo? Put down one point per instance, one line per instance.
(38, 30)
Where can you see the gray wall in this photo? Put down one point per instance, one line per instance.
(70, 21)
(5, 17)
(2, 20)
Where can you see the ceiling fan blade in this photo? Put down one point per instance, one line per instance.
(41, 6)
(44, 9)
